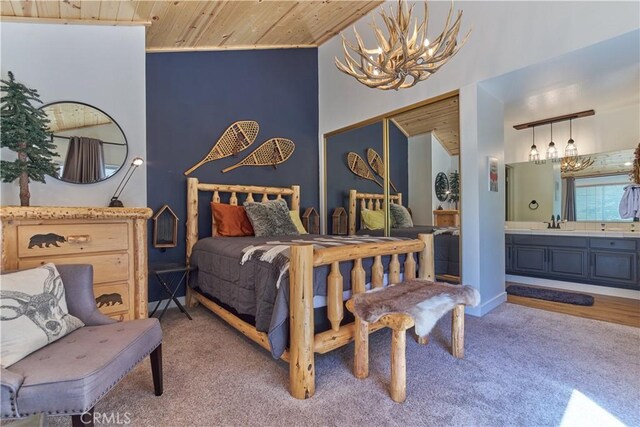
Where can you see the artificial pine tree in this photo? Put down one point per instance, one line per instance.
(454, 188)
(23, 129)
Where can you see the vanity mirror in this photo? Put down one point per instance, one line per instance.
(91, 146)
(537, 191)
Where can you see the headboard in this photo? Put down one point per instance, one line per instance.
(261, 193)
(371, 201)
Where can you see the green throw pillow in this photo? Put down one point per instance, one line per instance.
(372, 220)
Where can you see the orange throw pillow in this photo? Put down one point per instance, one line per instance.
(230, 220)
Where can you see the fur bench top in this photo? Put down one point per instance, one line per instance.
(425, 301)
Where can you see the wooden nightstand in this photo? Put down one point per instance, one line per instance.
(446, 218)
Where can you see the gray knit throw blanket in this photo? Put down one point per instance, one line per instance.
(277, 253)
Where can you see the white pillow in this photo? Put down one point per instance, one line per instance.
(33, 312)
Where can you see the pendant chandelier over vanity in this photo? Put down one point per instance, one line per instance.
(571, 161)
(404, 56)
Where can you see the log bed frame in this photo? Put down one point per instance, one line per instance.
(371, 201)
(375, 201)
(303, 343)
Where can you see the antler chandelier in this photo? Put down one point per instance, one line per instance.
(404, 57)
(575, 164)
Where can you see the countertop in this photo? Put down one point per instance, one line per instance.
(586, 233)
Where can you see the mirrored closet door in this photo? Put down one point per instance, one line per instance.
(432, 168)
(408, 157)
(354, 178)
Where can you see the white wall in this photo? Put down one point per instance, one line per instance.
(610, 129)
(481, 131)
(420, 180)
(102, 66)
(441, 162)
(507, 36)
(427, 158)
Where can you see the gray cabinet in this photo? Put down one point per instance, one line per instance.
(615, 267)
(594, 260)
(529, 259)
(566, 262)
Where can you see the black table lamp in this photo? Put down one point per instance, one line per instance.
(115, 203)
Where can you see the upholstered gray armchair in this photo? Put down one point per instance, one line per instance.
(70, 375)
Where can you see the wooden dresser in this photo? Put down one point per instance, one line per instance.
(113, 240)
(446, 218)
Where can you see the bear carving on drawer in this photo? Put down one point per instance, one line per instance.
(46, 240)
(109, 300)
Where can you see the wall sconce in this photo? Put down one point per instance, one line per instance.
(115, 202)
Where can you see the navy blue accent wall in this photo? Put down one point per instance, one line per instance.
(193, 97)
(340, 179)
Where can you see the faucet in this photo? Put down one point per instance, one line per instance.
(553, 224)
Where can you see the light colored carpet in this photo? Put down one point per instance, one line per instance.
(522, 366)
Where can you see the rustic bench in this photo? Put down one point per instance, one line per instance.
(400, 321)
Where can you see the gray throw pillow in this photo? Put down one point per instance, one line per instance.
(400, 216)
(271, 218)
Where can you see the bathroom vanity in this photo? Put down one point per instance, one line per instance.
(593, 257)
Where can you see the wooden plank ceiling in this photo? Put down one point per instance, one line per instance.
(68, 116)
(441, 117)
(205, 25)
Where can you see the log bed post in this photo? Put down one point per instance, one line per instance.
(192, 230)
(352, 212)
(427, 259)
(295, 198)
(457, 331)
(301, 357)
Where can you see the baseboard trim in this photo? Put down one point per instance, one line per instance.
(487, 306)
(575, 287)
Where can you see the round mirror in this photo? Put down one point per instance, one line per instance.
(91, 146)
(442, 186)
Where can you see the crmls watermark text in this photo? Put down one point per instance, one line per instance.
(109, 418)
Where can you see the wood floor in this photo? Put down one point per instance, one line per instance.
(624, 311)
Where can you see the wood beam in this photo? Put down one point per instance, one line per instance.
(72, 21)
(556, 119)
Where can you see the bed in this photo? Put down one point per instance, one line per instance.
(446, 240)
(316, 268)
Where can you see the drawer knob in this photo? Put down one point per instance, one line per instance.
(80, 238)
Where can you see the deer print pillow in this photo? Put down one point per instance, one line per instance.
(33, 312)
